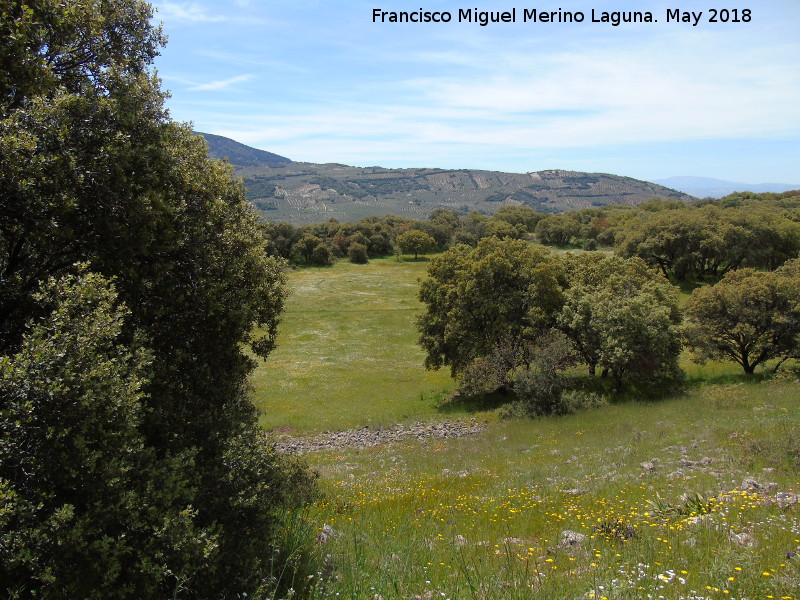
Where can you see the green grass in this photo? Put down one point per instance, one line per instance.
(347, 354)
(483, 517)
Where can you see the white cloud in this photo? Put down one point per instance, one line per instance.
(191, 12)
(220, 85)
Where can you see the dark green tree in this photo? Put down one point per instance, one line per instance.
(749, 317)
(415, 242)
(504, 292)
(92, 170)
(89, 509)
(557, 229)
(358, 253)
(621, 316)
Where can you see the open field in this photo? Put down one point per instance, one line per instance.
(347, 354)
(694, 496)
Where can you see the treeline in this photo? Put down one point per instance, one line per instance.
(323, 243)
(700, 241)
(509, 315)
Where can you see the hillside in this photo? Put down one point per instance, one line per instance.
(306, 192)
(239, 154)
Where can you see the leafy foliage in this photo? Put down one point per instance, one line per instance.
(415, 242)
(540, 386)
(502, 291)
(93, 171)
(622, 316)
(89, 509)
(693, 243)
(749, 317)
(557, 229)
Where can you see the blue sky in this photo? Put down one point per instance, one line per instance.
(318, 81)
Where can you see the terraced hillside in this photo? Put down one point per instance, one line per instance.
(307, 192)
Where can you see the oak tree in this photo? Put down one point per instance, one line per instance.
(749, 317)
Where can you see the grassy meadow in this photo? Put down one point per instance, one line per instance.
(690, 497)
(347, 354)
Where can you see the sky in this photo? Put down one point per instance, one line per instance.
(323, 81)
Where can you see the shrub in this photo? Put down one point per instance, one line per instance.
(358, 253)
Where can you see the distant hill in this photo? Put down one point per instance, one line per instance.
(296, 192)
(706, 187)
(238, 154)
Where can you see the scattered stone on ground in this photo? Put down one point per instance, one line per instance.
(571, 538)
(786, 499)
(367, 438)
(751, 485)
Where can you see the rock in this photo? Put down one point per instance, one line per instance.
(648, 466)
(675, 475)
(751, 485)
(786, 499)
(700, 520)
(326, 534)
(367, 438)
(743, 539)
(460, 541)
(571, 538)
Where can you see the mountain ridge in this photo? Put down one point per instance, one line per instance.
(284, 190)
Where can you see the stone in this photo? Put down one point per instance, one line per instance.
(572, 538)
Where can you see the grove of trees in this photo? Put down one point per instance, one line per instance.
(510, 315)
(490, 312)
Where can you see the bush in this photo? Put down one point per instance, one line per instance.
(541, 385)
(358, 253)
(540, 391)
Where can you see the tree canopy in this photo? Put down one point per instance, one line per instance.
(749, 317)
(93, 172)
(415, 242)
(501, 291)
(622, 316)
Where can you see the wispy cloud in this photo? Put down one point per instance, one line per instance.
(191, 12)
(221, 84)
